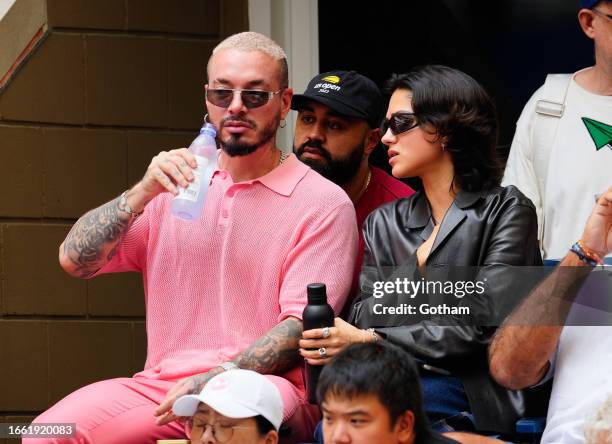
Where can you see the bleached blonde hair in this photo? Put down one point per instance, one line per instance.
(254, 41)
(598, 430)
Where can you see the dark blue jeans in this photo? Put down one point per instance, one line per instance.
(446, 403)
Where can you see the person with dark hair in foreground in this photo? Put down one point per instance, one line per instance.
(241, 407)
(370, 393)
(441, 126)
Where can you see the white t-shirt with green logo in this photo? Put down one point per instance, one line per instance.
(579, 165)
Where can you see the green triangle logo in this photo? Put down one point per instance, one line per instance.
(599, 132)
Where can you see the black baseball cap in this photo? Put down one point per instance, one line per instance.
(346, 92)
(588, 4)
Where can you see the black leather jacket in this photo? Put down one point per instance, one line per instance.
(488, 229)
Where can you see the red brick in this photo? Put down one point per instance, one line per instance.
(140, 346)
(186, 78)
(234, 17)
(24, 369)
(34, 282)
(127, 81)
(89, 14)
(116, 294)
(22, 174)
(184, 17)
(83, 169)
(50, 85)
(82, 352)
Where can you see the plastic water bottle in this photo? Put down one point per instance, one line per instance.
(188, 203)
(317, 314)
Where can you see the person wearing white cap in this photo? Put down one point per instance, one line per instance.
(238, 406)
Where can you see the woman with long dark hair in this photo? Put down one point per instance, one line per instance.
(441, 127)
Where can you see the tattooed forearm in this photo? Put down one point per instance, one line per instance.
(197, 382)
(93, 239)
(275, 352)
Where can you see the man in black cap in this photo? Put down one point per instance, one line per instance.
(336, 131)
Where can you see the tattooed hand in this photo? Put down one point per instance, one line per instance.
(167, 170)
(186, 386)
(274, 353)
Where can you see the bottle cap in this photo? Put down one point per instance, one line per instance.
(209, 129)
(316, 294)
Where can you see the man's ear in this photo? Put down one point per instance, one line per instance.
(286, 96)
(272, 437)
(585, 18)
(371, 141)
(404, 427)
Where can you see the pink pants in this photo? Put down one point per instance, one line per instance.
(121, 411)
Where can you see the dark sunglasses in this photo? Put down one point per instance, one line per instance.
(251, 98)
(400, 122)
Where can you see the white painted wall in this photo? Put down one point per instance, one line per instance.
(5, 5)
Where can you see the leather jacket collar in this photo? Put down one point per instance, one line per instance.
(421, 215)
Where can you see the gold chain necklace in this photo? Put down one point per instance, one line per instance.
(283, 157)
(365, 187)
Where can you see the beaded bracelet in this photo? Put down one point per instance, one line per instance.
(586, 254)
(591, 253)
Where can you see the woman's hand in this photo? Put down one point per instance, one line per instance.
(318, 349)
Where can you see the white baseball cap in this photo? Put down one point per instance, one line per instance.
(236, 394)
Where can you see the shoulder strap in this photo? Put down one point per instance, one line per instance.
(549, 110)
(552, 102)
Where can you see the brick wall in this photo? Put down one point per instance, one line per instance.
(113, 83)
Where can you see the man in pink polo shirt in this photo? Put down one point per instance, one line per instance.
(337, 129)
(226, 290)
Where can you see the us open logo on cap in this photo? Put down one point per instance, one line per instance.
(327, 83)
(331, 79)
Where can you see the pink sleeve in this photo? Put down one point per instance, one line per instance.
(325, 253)
(130, 254)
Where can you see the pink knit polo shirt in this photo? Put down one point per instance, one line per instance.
(215, 285)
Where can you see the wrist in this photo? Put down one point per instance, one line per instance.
(591, 251)
(586, 255)
(227, 366)
(137, 198)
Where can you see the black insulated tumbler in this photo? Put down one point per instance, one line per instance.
(317, 314)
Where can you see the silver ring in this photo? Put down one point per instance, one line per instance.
(322, 352)
(325, 332)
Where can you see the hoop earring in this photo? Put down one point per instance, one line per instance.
(206, 119)
(283, 123)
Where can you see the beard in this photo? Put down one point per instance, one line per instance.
(235, 147)
(339, 171)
